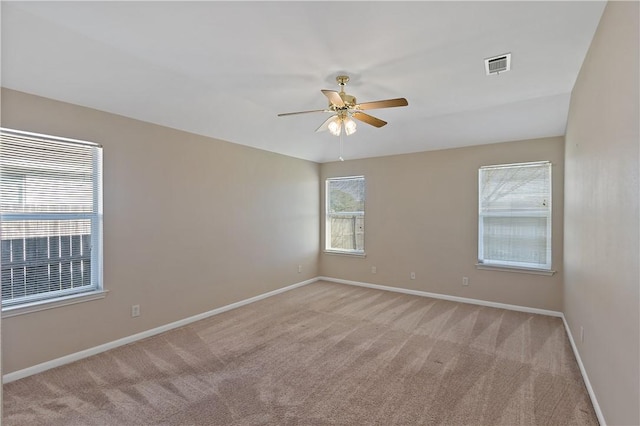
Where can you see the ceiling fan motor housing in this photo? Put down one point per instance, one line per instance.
(349, 101)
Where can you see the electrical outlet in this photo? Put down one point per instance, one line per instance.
(374, 270)
(299, 268)
(465, 280)
(413, 275)
(135, 311)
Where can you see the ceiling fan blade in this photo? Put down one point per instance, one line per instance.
(334, 97)
(388, 103)
(369, 119)
(325, 126)
(303, 112)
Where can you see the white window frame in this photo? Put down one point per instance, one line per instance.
(545, 212)
(62, 297)
(329, 215)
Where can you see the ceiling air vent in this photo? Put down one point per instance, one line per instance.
(498, 64)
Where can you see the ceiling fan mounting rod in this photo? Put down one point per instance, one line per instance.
(348, 100)
(342, 80)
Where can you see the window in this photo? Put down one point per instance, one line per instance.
(50, 217)
(345, 215)
(515, 215)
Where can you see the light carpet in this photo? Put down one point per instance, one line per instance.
(324, 354)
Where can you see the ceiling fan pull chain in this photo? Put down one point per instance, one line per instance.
(340, 158)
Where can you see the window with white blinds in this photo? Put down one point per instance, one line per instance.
(50, 217)
(345, 214)
(515, 215)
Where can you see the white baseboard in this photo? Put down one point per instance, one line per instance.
(39, 368)
(587, 383)
(447, 297)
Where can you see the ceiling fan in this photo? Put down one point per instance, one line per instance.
(344, 109)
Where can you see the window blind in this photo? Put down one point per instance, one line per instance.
(515, 215)
(50, 217)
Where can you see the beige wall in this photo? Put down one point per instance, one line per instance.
(190, 224)
(421, 216)
(601, 214)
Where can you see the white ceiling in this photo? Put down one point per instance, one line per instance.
(225, 69)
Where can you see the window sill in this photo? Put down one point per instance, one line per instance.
(346, 253)
(43, 305)
(515, 269)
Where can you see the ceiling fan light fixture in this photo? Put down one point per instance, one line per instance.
(349, 126)
(335, 126)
